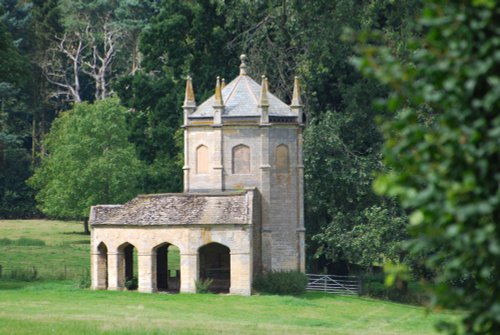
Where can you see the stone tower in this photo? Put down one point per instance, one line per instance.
(245, 137)
(241, 211)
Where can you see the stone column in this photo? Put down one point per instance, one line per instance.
(218, 163)
(189, 272)
(186, 167)
(265, 191)
(98, 270)
(94, 271)
(147, 272)
(241, 273)
(116, 271)
(301, 231)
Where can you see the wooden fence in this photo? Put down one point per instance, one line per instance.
(342, 285)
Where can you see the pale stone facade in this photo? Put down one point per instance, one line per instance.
(241, 212)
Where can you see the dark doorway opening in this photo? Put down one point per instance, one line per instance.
(130, 261)
(167, 268)
(215, 264)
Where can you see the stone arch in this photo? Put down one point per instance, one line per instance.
(241, 159)
(202, 161)
(127, 264)
(167, 267)
(215, 264)
(282, 159)
(102, 266)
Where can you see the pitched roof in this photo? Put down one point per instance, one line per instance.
(177, 209)
(241, 98)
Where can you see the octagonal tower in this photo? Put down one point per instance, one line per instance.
(245, 137)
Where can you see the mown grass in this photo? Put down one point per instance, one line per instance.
(55, 249)
(49, 306)
(62, 308)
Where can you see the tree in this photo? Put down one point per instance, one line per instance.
(16, 200)
(89, 162)
(342, 143)
(443, 149)
(183, 38)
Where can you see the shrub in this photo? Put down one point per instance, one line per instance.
(85, 279)
(373, 286)
(203, 285)
(132, 283)
(281, 282)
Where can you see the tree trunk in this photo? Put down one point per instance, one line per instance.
(86, 226)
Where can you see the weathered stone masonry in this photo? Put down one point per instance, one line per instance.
(243, 196)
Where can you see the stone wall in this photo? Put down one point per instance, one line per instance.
(280, 242)
(238, 238)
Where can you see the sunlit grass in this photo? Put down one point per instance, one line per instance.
(61, 307)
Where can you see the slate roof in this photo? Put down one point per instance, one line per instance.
(240, 99)
(176, 209)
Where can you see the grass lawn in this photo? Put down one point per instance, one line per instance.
(60, 307)
(57, 249)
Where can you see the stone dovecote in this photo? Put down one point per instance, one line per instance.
(242, 200)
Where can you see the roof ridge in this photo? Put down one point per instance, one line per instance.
(247, 83)
(236, 81)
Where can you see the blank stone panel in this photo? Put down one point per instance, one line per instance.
(202, 160)
(282, 159)
(241, 159)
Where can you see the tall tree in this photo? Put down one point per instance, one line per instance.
(183, 38)
(444, 152)
(342, 142)
(16, 200)
(89, 161)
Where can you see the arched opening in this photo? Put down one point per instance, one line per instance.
(128, 272)
(102, 266)
(168, 272)
(282, 159)
(202, 159)
(241, 159)
(215, 264)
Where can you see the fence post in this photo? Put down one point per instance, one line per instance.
(360, 286)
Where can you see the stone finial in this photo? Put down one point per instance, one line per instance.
(189, 100)
(263, 100)
(243, 65)
(223, 83)
(296, 100)
(218, 93)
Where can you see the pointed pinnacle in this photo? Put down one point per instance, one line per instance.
(218, 93)
(189, 99)
(263, 100)
(296, 100)
(223, 83)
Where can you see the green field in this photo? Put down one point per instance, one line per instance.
(54, 306)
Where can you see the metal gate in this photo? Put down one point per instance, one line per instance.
(342, 285)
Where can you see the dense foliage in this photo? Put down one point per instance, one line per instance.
(281, 283)
(90, 161)
(444, 152)
(84, 50)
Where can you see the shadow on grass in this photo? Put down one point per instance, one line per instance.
(74, 233)
(13, 285)
(76, 242)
